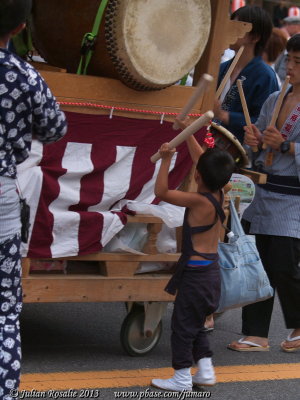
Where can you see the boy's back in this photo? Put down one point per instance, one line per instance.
(204, 214)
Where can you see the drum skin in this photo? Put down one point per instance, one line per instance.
(148, 44)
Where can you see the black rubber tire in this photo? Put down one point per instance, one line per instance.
(132, 338)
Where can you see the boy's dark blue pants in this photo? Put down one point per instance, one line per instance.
(198, 296)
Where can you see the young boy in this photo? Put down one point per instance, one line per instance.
(197, 277)
(27, 108)
(274, 214)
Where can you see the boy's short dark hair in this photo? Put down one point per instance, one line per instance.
(293, 43)
(215, 167)
(261, 24)
(12, 14)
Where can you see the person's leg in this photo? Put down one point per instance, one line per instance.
(205, 374)
(256, 317)
(188, 320)
(11, 305)
(181, 341)
(288, 286)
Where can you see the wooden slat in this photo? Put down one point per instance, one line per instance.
(257, 177)
(122, 257)
(111, 92)
(143, 218)
(117, 268)
(95, 288)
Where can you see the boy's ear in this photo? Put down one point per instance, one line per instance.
(254, 38)
(196, 175)
(18, 29)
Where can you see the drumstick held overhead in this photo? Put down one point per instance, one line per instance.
(278, 105)
(201, 88)
(229, 72)
(190, 130)
(245, 109)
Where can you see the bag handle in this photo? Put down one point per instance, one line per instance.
(236, 225)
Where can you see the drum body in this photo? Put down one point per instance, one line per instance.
(148, 44)
(225, 140)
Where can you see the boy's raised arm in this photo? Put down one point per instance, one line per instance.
(162, 182)
(194, 147)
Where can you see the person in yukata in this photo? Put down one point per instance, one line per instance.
(259, 79)
(274, 215)
(28, 109)
(196, 280)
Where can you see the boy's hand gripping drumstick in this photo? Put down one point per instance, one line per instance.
(201, 88)
(190, 130)
(269, 154)
(245, 109)
(278, 105)
(229, 72)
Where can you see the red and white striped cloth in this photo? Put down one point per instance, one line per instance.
(74, 186)
(294, 12)
(236, 4)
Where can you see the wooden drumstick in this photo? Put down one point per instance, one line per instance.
(190, 130)
(201, 88)
(229, 72)
(278, 105)
(245, 109)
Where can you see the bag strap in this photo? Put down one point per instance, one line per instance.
(89, 40)
(236, 225)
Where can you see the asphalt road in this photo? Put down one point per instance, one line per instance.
(63, 338)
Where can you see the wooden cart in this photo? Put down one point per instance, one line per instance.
(113, 278)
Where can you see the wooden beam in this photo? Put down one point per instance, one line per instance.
(257, 177)
(94, 288)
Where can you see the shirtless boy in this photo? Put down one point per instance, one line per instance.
(197, 278)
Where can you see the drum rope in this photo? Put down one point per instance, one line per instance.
(89, 40)
(134, 110)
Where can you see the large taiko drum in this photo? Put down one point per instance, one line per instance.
(148, 44)
(225, 140)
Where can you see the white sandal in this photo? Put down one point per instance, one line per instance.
(290, 339)
(253, 346)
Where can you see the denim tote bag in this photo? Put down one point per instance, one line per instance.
(243, 278)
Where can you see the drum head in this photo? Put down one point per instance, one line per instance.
(225, 140)
(147, 44)
(154, 43)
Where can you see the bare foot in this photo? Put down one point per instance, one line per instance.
(209, 322)
(292, 343)
(237, 345)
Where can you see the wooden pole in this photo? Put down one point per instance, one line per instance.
(245, 109)
(278, 105)
(229, 72)
(201, 88)
(190, 130)
(270, 153)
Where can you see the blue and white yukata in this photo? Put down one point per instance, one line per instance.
(259, 81)
(27, 107)
(274, 218)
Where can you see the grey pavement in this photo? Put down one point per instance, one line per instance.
(85, 337)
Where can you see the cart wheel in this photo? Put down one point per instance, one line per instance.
(133, 340)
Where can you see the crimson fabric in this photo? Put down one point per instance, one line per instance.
(103, 135)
